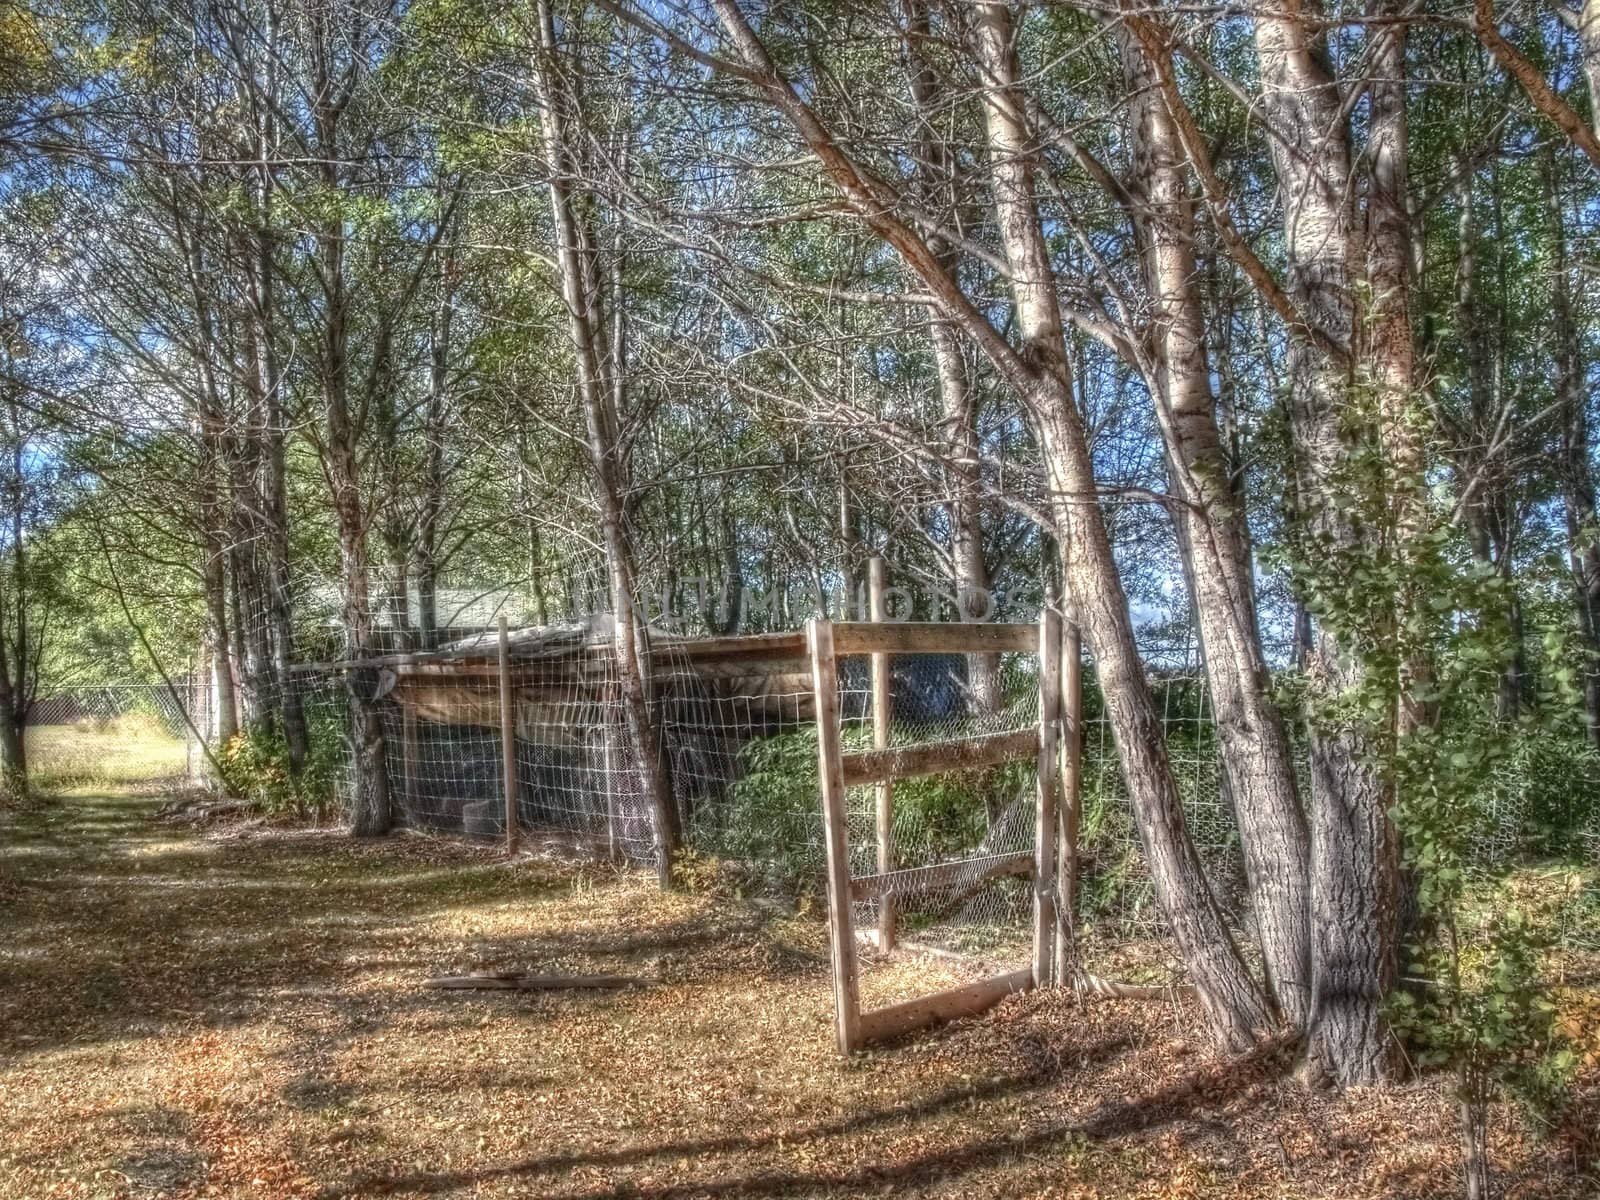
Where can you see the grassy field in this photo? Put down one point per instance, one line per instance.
(240, 1013)
(124, 750)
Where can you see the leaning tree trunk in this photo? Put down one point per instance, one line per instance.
(1210, 520)
(1236, 1009)
(579, 288)
(1354, 864)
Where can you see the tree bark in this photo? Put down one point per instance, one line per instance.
(434, 424)
(1577, 479)
(579, 289)
(1235, 1007)
(1355, 861)
(1210, 520)
(936, 170)
(371, 812)
(1487, 483)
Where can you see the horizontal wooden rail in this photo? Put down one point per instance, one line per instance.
(883, 1023)
(907, 762)
(968, 872)
(932, 637)
(785, 646)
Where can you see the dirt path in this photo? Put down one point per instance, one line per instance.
(186, 1015)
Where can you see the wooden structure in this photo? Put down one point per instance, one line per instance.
(545, 704)
(883, 765)
(550, 694)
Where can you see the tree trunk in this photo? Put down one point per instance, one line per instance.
(371, 813)
(1486, 480)
(1235, 1007)
(214, 569)
(1589, 42)
(1390, 344)
(936, 169)
(1577, 480)
(16, 647)
(1210, 520)
(274, 482)
(216, 587)
(435, 423)
(13, 752)
(279, 596)
(579, 287)
(1355, 862)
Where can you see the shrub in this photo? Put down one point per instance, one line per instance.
(255, 767)
(772, 814)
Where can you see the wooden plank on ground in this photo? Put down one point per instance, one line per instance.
(932, 758)
(883, 1023)
(932, 637)
(516, 981)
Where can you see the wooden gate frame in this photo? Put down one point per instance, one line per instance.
(828, 641)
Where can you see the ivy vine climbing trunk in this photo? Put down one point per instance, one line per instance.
(1354, 857)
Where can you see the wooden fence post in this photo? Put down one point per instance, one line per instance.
(1046, 816)
(508, 737)
(830, 773)
(1071, 805)
(882, 717)
(410, 755)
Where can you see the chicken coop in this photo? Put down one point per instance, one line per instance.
(905, 771)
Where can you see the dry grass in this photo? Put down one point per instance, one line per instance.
(240, 1015)
(107, 753)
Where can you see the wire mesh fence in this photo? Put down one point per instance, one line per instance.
(1120, 928)
(961, 837)
(739, 747)
(739, 744)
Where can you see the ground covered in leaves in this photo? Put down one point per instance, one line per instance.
(240, 1013)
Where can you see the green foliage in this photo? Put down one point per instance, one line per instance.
(1465, 785)
(255, 767)
(1481, 1015)
(1551, 785)
(773, 815)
